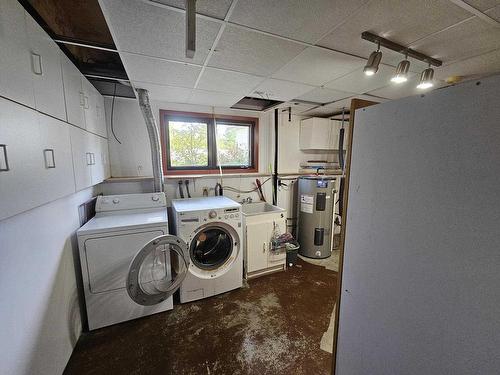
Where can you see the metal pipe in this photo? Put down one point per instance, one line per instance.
(154, 138)
(275, 175)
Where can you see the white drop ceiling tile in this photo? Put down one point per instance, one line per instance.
(297, 19)
(470, 38)
(276, 89)
(359, 83)
(482, 65)
(482, 5)
(251, 52)
(324, 95)
(213, 8)
(400, 21)
(213, 98)
(316, 66)
(161, 72)
(165, 93)
(402, 90)
(494, 13)
(228, 81)
(151, 30)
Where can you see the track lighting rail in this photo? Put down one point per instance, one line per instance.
(386, 43)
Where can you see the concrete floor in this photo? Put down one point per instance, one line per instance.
(273, 326)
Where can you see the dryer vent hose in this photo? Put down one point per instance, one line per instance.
(154, 138)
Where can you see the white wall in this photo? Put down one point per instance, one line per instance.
(132, 158)
(135, 151)
(39, 311)
(420, 288)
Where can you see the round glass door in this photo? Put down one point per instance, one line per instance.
(211, 247)
(157, 270)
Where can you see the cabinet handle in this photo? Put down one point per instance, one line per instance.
(88, 155)
(92, 157)
(48, 155)
(86, 102)
(264, 245)
(36, 62)
(82, 99)
(4, 164)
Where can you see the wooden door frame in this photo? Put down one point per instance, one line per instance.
(355, 104)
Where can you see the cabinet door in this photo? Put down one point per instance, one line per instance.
(97, 159)
(257, 242)
(105, 158)
(279, 223)
(15, 61)
(90, 106)
(57, 178)
(46, 68)
(20, 162)
(82, 157)
(101, 116)
(73, 92)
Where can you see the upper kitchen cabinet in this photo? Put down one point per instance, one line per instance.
(46, 71)
(94, 109)
(73, 92)
(56, 179)
(16, 82)
(318, 133)
(20, 161)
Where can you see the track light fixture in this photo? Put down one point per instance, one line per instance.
(373, 62)
(401, 75)
(426, 79)
(401, 71)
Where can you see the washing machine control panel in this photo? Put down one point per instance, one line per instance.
(225, 215)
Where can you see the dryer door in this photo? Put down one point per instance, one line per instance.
(157, 270)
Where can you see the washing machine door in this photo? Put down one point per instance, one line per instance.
(158, 270)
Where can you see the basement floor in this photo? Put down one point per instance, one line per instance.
(272, 326)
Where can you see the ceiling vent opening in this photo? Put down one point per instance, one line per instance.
(255, 104)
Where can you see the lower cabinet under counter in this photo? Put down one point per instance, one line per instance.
(259, 256)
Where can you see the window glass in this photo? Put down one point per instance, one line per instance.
(188, 143)
(233, 145)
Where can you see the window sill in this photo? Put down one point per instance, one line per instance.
(216, 175)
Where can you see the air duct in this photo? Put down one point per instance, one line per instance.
(154, 138)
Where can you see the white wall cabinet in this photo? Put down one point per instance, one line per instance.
(73, 92)
(90, 158)
(259, 257)
(35, 159)
(16, 80)
(46, 71)
(320, 134)
(95, 120)
(57, 178)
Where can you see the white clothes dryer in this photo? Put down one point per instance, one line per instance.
(130, 264)
(211, 227)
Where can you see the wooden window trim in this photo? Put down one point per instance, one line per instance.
(165, 114)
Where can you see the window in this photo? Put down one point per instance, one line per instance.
(199, 142)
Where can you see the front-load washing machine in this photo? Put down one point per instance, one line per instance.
(211, 228)
(130, 265)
